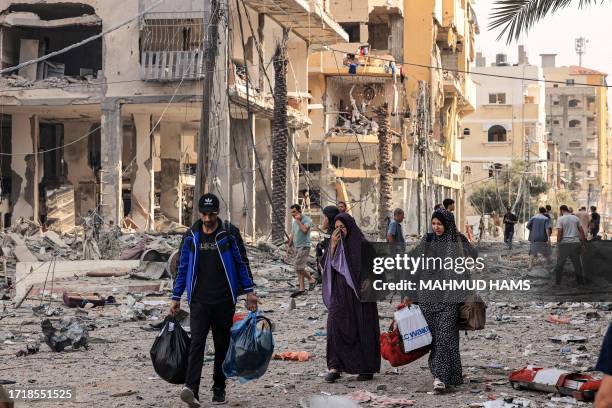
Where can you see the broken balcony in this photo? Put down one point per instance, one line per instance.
(172, 45)
(28, 32)
(459, 85)
(351, 108)
(262, 103)
(308, 19)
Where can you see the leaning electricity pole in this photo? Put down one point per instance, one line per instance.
(212, 173)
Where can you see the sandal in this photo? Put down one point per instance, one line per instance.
(297, 293)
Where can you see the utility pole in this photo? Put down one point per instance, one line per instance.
(212, 173)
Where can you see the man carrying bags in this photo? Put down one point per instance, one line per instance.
(214, 269)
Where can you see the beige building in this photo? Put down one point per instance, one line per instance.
(117, 119)
(577, 121)
(508, 123)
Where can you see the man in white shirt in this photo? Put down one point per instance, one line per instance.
(570, 240)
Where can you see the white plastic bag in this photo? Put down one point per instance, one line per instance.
(413, 328)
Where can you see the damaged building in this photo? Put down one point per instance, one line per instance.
(112, 126)
(425, 106)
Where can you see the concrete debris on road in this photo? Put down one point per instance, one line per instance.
(70, 333)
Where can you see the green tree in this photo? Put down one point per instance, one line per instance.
(509, 187)
(515, 17)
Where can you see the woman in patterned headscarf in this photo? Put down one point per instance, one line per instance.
(353, 332)
(441, 308)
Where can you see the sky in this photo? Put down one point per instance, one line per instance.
(555, 34)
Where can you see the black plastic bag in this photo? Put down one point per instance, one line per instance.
(170, 352)
(250, 349)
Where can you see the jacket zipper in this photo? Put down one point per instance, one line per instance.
(193, 275)
(224, 267)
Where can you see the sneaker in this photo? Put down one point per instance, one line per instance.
(188, 397)
(332, 376)
(218, 396)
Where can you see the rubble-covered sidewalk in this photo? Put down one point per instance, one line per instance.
(105, 339)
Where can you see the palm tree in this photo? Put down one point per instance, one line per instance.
(280, 135)
(385, 168)
(517, 16)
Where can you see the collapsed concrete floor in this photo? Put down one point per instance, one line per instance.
(116, 371)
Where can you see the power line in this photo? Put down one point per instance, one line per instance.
(76, 45)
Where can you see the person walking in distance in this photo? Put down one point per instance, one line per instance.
(595, 222)
(449, 206)
(394, 230)
(549, 213)
(585, 219)
(540, 230)
(214, 269)
(300, 239)
(510, 219)
(570, 240)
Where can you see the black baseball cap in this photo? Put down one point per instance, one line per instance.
(208, 203)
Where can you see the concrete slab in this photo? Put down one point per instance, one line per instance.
(31, 273)
(23, 254)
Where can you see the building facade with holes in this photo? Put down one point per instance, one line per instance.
(117, 119)
(507, 127)
(577, 123)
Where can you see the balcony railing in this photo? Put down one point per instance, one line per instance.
(172, 65)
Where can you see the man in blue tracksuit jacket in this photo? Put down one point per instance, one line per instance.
(214, 269)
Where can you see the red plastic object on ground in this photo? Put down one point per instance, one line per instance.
(579, 386)
(293, 356)
(392, 347)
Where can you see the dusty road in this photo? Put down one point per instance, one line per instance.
(116, 371)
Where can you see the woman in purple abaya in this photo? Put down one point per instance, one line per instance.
(353, 332)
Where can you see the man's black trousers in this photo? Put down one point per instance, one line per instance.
(571, 250)
(203, 317)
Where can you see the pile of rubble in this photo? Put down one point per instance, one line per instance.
(105, 320)
(16, 81)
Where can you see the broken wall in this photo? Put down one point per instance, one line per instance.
(87, 57)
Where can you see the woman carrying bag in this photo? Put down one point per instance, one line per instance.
(441, 308)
